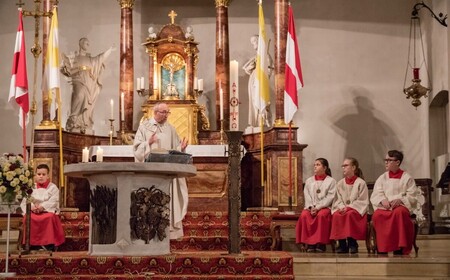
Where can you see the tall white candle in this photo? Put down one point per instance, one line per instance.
(200, 84)
(142, 83)
(221, 103)
(122, 106)
(85, 155)
(112, 109)
(138, 83)
(195, 83)
(99, 154)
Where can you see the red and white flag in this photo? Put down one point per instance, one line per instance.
(18, 91)
(294, 78)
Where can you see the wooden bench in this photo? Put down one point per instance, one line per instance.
(286, 221)
(289, 221)
(279, 222)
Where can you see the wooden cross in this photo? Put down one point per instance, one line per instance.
(172, 16)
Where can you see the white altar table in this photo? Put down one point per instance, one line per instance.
(126, 151)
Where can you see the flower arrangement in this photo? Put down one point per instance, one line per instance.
(16, 178)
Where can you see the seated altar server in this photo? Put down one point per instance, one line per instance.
(350, 206)
(314, 224)
(395, 197)
(46, 230)
(157, 133)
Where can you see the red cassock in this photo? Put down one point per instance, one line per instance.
(313, 230)
(350, 224)
(45, 229)
(394, 230)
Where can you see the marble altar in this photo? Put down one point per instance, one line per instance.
(125, 179)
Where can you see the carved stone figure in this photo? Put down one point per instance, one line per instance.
(85, 73)
(189, 33)
(151, 33)
(249, 68)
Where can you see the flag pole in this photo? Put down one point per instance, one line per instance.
(290, 165)
(293, 82)
(61, 155)
(263, 191)
(24, 136)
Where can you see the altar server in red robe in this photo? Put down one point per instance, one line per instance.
(394, 197)
(314, 224)
(350, 206)
(46, 230)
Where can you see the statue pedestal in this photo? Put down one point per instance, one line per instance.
(121, 180)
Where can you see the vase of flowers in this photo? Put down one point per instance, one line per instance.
(16, 178)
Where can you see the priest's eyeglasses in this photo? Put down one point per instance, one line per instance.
(390, 160)
(164, 112)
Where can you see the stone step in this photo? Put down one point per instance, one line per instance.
(432, 262)
(14, 236)
(328, 265)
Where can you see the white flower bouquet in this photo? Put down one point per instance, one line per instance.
(16, 178)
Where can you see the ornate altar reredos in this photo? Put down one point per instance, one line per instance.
(173, 57)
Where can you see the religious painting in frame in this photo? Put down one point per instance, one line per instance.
(283, 181)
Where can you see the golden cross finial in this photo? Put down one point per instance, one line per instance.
(172, 16)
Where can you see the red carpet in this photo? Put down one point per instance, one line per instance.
(202, 231)
(200, 254)
(184, 265)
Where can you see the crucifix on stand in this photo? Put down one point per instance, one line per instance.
(36, 50)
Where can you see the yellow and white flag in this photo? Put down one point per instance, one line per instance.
(51, 83)
(262, 67)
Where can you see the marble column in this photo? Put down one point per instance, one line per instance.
(281, 29)
(151, 73)
(190, 72)
(126, 64)
(46, 7)
(222, 63)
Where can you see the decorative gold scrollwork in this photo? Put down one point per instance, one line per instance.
(223, 3)
(204, 118)
(152, 51)
(173, 62)
(124, 4)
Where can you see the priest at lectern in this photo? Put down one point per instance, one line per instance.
(156, 135)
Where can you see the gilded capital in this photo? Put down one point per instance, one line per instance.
(152, 51)
(188, 51)
(126, 4)
(224, 3)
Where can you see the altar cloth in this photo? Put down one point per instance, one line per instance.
(126, 151)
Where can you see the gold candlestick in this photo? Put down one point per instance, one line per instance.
(111, 131)
(122, 131)
(197, 94)
(222, 132)
(143, 92)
